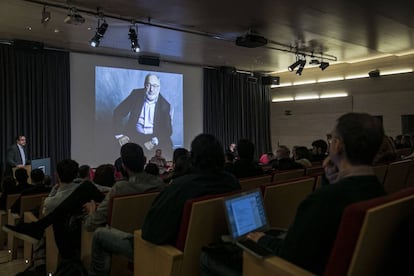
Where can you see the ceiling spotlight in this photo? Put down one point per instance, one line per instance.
(100, 32)
(45, 16)
(294, 65)
(324, 65)
(134, 40)
(74, 17)
(301, 66)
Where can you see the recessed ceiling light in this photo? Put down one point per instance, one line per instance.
(56, 31)
(28, 28)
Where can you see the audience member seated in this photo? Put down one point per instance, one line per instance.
(233, 150)
(245, 166)
(163, 219)
(85, 172)
(21, 177)
(152, 169)
(309, 240)
(283, 161)
(63, 209)
(406, 142)
(229, 162)
(181, 164)
(160, 161)
(398, 142)
(8, 187)
(266, 158)
(69, 194)
(119, 171)
(104, 177)
(301, 155)
(138, 181)
(387, 153)
(319, 150)
(38, 187)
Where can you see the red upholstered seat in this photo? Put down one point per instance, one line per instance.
(349, 229)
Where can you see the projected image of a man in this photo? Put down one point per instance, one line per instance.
(144, 117)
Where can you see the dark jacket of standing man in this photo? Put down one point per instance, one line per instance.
(17, 155)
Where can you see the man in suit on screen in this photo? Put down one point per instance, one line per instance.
(148, 117)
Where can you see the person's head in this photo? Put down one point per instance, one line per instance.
(270, 155)
(158, 153)
(300, 153)
(21, 140)
(245, 148)
(67, 170)
(104, 175)
(178, 152)
(182, 165)
(37, 176)
(133, 158)
(21, 175)
(152, 168)
(207, 153)
(319, 147)
(232, 147)
(282, 152)
(8, 184)
(356, 138)
(398, 139)
(84, 172)
(118, 166)
(152, 87)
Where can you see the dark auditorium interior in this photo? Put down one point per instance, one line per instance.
(275, 72)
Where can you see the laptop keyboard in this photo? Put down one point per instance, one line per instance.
(256, 248)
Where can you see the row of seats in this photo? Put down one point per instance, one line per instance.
(203, 221)
(27, 203)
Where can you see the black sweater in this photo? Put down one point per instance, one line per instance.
(310, 238)
(162, 222)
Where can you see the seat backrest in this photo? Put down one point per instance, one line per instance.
(280, 176)
(350, 231)
(30, 202)
(282, 200)
(127, 212)
(378, 235)
(409, 182)
(314, 170)
(254, 182)
(202, 223)
(396, 175)
(11, 199)
(380, 171)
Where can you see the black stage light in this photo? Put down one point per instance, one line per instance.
(324, 65)
(294, 65)
(134, 40)
(100, 32)
(301, 66)
(45, 16)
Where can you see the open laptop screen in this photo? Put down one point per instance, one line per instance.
(245, 213)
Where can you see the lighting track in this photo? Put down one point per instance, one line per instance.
(279, 46)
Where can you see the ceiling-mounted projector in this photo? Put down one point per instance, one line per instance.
(74, 18)
(251, 41)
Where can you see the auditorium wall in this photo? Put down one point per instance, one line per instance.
(301, 122)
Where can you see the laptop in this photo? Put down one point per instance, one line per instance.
(245, 213)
